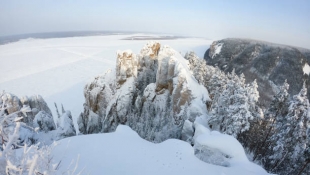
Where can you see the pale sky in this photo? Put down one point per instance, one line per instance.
(279, 21)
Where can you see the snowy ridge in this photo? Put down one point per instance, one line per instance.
(270, 64)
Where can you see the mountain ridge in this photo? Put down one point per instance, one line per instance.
(270, 63)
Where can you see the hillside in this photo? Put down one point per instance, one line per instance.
(270, 64)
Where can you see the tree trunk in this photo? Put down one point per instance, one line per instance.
(303, 167)
(262, 145)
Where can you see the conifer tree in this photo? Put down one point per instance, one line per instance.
(291, 136)
(234, 108)
(265, 128)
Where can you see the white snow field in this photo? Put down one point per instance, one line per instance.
(124, 152)
(59, 68)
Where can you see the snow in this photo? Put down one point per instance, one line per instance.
(218, 49)
(227, 145)
(59, 68)
(200, 130)
(306, 69)
(198, 91)
(124, 152)
(220, 141)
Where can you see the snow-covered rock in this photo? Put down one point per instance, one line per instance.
(187, 131)
(26, 135)
(44, 121)
(13, 104)
(126, 66)
(152, 92)
(221, 149)
(34, 119)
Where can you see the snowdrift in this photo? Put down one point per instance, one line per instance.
(124, 152)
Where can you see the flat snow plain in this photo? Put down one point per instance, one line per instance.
(58, 68)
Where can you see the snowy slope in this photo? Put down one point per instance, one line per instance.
(58, 68)
(124, 152)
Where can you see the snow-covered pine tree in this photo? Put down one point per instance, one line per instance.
(291, 136)
(305, 165)
(253, 95)
(219, 110)
(62, 109)
(265, 127)
(231, 113)
(279, 105)
(252, 137)
(216, 84)
(220, 101)
(201, 71)
(211, 77)
(58, 115)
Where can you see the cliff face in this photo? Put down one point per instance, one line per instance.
(269, 63)
(152, 92)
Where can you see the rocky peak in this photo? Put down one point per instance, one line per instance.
(152, 92)
(151, 49)
(126, 66)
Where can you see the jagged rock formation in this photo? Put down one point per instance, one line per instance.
(36, 103)
(152, 92)
(35, 120)
(269, 63)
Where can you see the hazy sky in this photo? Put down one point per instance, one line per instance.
(280, 21)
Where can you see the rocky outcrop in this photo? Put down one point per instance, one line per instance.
(126, 66)
(29, 113)
(36, 103)
(33, 118)
(44, 122)
(152, 92)
(271, 64)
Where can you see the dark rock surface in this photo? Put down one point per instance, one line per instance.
(270, 64)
